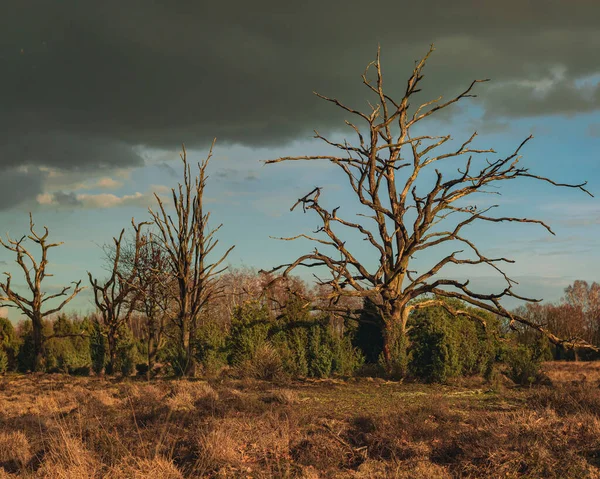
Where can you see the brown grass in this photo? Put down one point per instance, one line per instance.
(61, 427)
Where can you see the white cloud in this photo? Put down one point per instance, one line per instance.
(100, 200)
(108, 200)
(59, 179)
(3, 312)
(108, 183)
(45, 199)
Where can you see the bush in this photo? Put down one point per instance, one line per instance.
(368, 337)
(291, 343)
(127, 352)
(265, 364)
(346, 358)
(25, 357)
(211, 347)
(98, 347)
(250, 327)
(176, 357)
(523, 365)
(444, 346)
(320, 354)
(9, 346)
(297, 342)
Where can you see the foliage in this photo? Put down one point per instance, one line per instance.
(445, 346)
(211, 347)
(176, 357)
(127, 351)
(26, 354)
(98, 347)
(250, 327)
(296, 342)
(346, 358)
(369, 333)
(523, 364)
(320, 354)
(398, 344)
(67, 352)
(9, 346)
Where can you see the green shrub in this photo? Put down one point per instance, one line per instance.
(368, 337)
(291, 343)
(127, 352)
(399, 354)
(320, 354)
(9, 344)
(177, 359)
(211, 347)
(444, 346)
(98, 347)
(25, 357)
(523, 365)
(250, 328)
(346, 358)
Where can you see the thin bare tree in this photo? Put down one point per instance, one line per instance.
(189, 243)
(117, 297)
(155, 288)
(404, 216)
(34, 272)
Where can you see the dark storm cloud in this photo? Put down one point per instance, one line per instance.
(18, 186)
(69, 151)
(84, 82)
(65, 199)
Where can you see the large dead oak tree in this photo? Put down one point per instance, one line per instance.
(188, 244)
(34, 272)
(386, 168)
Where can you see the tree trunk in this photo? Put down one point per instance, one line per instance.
(37, 332)
(112, 352)
(151, 354)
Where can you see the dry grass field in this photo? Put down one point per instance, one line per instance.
(54, 426)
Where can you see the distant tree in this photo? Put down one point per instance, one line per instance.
(34, 272)
(402, 214)
(586, 298)
(189, 244)
(116, 298)
(154, 287)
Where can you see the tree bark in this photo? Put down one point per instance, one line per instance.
(38, 340)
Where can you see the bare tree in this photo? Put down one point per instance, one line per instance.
(188, 243)
(404, 217)
(34, 273)
(116, 298)
(155, 288)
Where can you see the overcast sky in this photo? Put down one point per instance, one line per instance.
(96, 98)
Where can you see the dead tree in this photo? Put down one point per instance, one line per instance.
(188, 243)
(34, 273)
(154, 288)
(116, 298)
(405, 217)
